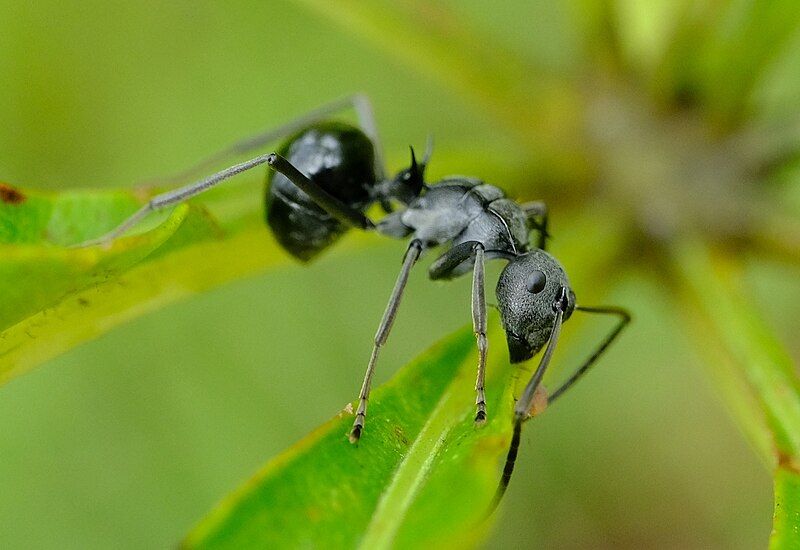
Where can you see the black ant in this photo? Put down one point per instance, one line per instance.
(327, 174)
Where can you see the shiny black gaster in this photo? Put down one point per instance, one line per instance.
(338, 157)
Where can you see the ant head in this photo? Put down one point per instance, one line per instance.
(528, 293)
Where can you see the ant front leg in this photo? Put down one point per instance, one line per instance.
(524, 405)
(412, 255)
(444, 268)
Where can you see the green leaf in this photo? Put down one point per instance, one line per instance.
(53, 297)
(422, 475)
(764, 390)
(786, 518)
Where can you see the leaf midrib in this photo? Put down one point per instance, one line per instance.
(411, 472)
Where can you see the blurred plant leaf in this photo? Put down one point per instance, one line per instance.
(437, 41)
(37, 268)
(53, 297)
(422, 475)
(766, 399)
(730, 42)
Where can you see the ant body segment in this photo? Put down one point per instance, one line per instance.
(325, 177)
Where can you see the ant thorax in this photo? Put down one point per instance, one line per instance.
(460, 209)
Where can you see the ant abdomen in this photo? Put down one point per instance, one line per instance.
(338, 157)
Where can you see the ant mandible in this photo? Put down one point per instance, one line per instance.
(327, 174)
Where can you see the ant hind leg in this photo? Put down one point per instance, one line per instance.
(172, 198)
(359, 102)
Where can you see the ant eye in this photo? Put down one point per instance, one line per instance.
(536, 281)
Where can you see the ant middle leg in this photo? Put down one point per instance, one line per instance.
(412, 255)
(444, 267)
(479, 328)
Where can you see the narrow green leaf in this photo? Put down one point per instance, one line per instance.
(713, 289)
(750, 39)
(764, 361)
(53, 297)
(422, 475)
(786, 518)
(35, 266)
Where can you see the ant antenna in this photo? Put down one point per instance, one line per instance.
(521, 410)
(513, 450)
(428, 152)
(508, 469)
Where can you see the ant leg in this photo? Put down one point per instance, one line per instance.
(479, 328)
(443, 268)
(624, 319)
(358, 102)
(177, 196)
(366, 119)
(412, 255)
(336, 208)
(533, 210)
(331, 204)
(524, 403)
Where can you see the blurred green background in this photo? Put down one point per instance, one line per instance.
(128, 440)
